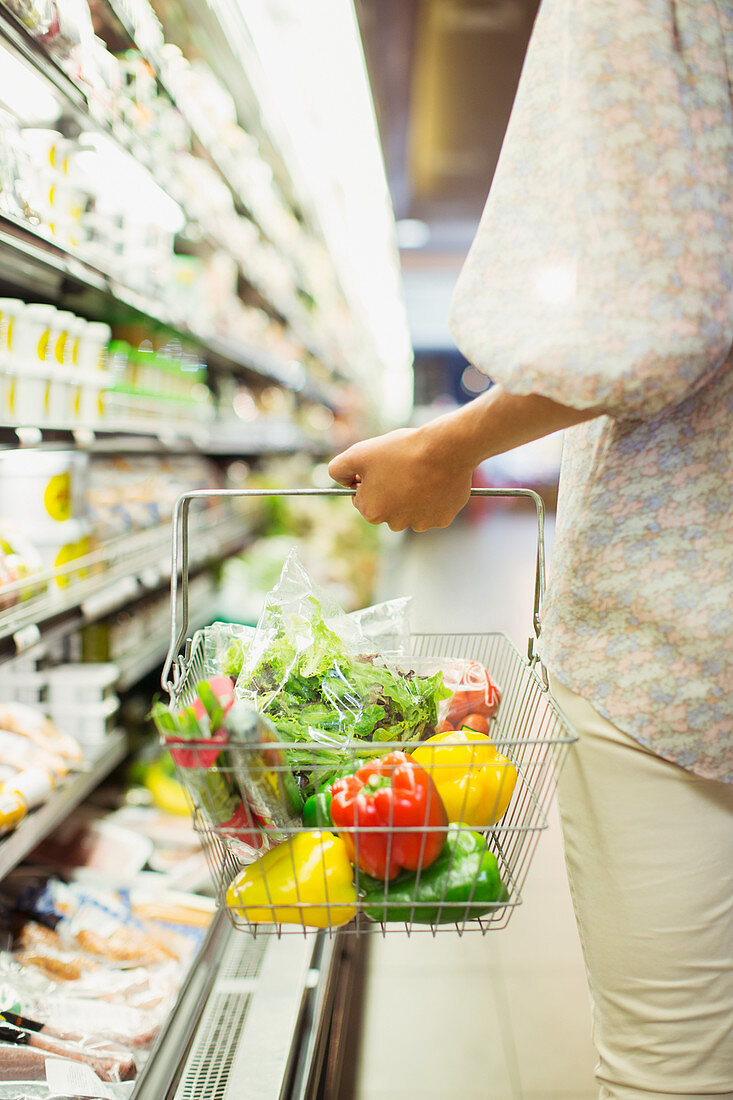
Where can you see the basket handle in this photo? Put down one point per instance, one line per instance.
(179, 650)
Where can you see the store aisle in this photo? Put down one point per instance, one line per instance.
(504, 1016)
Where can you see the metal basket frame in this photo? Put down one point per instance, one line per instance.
(528, 728)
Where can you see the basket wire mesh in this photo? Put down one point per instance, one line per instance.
(528, 731)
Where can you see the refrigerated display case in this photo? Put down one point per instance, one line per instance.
(225, 335)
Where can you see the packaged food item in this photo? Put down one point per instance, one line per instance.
(23, 754)
(473, 692)
(22, 792)
(95, 844)
(108, 1063)
(32, 724)
(19, 561)
(229, 759)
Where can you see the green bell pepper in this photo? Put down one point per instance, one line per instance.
(463, 883)
(317, 808)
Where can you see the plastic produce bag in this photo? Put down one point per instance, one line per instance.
(227, 758)
(319, 677)
(224, 647)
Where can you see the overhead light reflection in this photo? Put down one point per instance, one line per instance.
(412, 233)
(25, 93)
(556, 285)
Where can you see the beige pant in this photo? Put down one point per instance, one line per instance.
(649, 853)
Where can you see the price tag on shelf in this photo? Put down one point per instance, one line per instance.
(68, 1078)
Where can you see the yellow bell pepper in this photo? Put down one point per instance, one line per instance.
(473, 779)
(306, 880)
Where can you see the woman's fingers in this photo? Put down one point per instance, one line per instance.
(345, 468)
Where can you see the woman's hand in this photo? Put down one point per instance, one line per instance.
(405, 479)
(421, 477)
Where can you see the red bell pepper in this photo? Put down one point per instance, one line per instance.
(391, 815)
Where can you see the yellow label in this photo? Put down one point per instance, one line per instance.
(61, 347)
(57, 497)
(75, 351)
(76, 404)
(11, 396)
(100, 405)
(43, 344)
(66, 554)
(12, 810)
(11, 322)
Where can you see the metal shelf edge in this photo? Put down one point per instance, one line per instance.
(62, 622)
(67, 796)
(44, 255)
(166, 1056)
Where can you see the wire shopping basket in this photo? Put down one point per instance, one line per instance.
(435, 831)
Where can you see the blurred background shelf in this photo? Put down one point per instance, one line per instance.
(122, 570)
(69, 794)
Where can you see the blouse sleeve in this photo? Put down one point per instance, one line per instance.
(602, 271)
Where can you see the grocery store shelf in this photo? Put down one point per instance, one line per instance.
(200, 128)
(68, 795)
(238, 439)
(136, 665)
(123, 570)
(73, 103)
(32, 264)
(17, 37)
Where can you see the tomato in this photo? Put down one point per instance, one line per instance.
(476, 694)
(476, 722)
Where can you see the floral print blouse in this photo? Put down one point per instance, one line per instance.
(602, 277)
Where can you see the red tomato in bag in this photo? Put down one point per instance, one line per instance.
(476, 722)
(476, 694)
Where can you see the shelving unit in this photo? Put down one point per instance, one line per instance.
(74, 104)
(32, 264)
(247, 1004)
(124, 569)
(70, 793)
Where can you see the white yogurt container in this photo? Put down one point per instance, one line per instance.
(82, 684)
(28, 362)
(62, 547)
(59, 357)
(42, 489)
(94, 373)
(10, 310)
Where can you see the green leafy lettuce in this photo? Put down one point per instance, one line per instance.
(314, 691)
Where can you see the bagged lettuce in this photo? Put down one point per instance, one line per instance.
(319, 678)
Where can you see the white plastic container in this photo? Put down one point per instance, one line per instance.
(28, 362)
(10, 310)
(61, 547)
(90, 724)
(94, 373)
(57, 398)
(81, 685)
(42, 489)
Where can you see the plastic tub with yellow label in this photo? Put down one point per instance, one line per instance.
(43, 489)
(61, 547)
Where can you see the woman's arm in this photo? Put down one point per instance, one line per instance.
(421, 477)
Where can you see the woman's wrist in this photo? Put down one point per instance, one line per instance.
(494, 423)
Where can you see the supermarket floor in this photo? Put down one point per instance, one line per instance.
(504, 1016)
